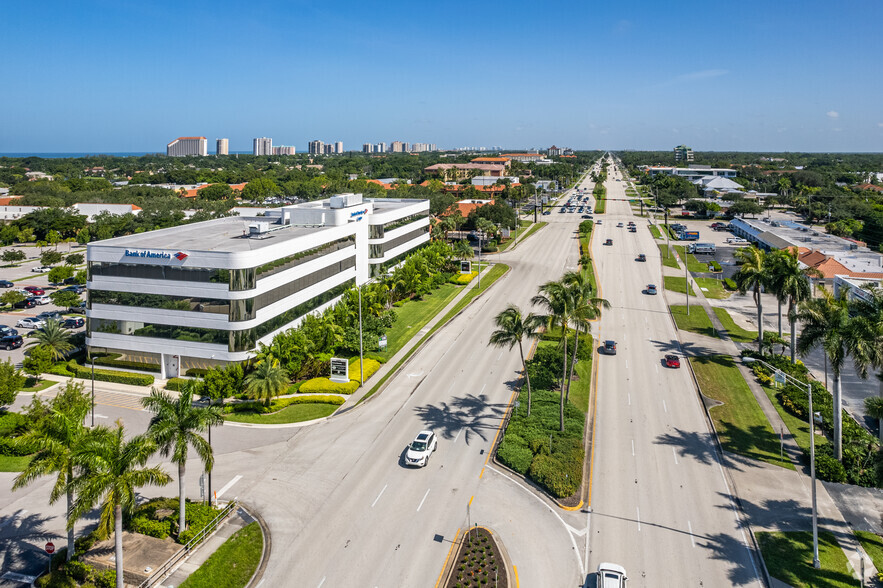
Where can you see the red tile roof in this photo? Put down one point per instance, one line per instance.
(830, 267)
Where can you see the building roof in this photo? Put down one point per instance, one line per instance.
(513, 155)
(873, 187)
(467, 206)
(830, 267)
(490, 160)
(475, 166)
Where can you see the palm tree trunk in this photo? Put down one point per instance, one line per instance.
(572, 363)
(118, 542)
(182, 521)
(759, 303)
(880, 393)
(563, 376)
(838, 417)
(792, 320)
(527, 376)
(70, 507)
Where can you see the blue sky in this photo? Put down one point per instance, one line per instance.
(749, 75)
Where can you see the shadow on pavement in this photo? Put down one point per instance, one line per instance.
(689, 348)
(699, 446)
(472, 414)
(22, 550)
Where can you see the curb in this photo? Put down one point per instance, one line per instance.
(258, 574)
(451, 564)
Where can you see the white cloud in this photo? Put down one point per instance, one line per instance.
(833, 114)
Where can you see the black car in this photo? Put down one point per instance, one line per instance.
(26, 303)
(76, 289)
(73, 323)
(642, 257)
(8, 342)
(6, 284)
(7, 331)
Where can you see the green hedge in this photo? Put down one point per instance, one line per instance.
(463, 278)
(730, 284)
(111, 360)
(196, 372)
(177, 384)
(117, 377)
(279, 404)
(371, 367)
(326, 386)
(196, 514)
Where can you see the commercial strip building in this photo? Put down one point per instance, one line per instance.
(693, 172)
(184, 146)
(208, 293)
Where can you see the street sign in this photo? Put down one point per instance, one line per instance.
(779, 376)
(50, 547)
(382, 342)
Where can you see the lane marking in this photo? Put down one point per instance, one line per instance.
(457, 436)
(675, 454)
(639, 517)
(322, 582)
(633, 448)
(101, 416)
(499, 356)
(228, 486)
(626, 364)
(664, 406)
(515, 570)
(630, 398)
(424, 499)
(482, 390)
(657, 367)
(378, 496)
(470, 499)
(692, 540)
(481, 473)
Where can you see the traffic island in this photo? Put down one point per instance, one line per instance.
(141, 555)
(480, 562)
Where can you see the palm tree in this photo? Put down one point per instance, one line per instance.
(754, 275)
(463, 249)
(586, 308)
(554, 298)
(869, 345)
(53, 337)
(792, 283)
(267, 380)
(178, 425)
(112, 469)
(874, 408)
(513, 328)
(827, 323)
(54, 440)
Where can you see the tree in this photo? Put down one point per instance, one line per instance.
(65, 298)
(74, 259)
(55, 440)
(54, 338)
(267, 381)
(555, 300)
(53, 237)
(827, 324)
(11, 381)
(846, 227)
(754, 275)
(11, 297)
(743, 207)
(260, 188)
(512, 329)
(112, 469)
(463, 250)
(59, 274)
(37, 361)
(215, 192)
(50, 257)
(13, 255)
(868, 351)
(789, 281)
(586, 307)
(178, 425)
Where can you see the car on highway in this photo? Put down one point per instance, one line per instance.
(672, 361)
(651, 289)
(598, 222)
(611, 575)
(10, 342)
(421, 449)
(619, 225)
(642, 257)
(6, 284)
(73, 323)
(26, 303)
(633, 230)
(548, 212)
(41, 269)
(35, 290)
(608, 242)
(30, 322)
(609, 347)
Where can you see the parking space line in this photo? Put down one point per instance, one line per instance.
(693, 541)
(675, 454)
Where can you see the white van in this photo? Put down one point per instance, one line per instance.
(737, 241)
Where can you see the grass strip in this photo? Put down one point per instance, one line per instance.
(585, 249)
(522, 234)
(37, 387)
(713, 288)
(799, 427)
(655, 232)
(788, 557)
(695, 322)
(233, 564)
(668, 258)
(737, 333)
(293, 413)
(581, 389)
(413, 316)
(676, 284)
(492, 276)
(873, 546)
(13, 463)
(741, 425)
(693, 264)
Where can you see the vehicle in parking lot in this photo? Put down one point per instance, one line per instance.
(609, 347)
(651, 289)
(6, 284)
(672, 361)
(73, 322)
(611, 575)
(26, 303)
(42, 299)
(75, 288)
(588, 216)
(50, 315)
(30, 322)
(421, 448)
(619, 224)
(41, 269)
(79, 308)
(642, 257)
(9, 342)
(35, 290)
(608, 242)
(4, 331)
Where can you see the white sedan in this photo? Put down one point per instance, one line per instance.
(41, 269)
(44, 299)
(421, 448)
(30, 323)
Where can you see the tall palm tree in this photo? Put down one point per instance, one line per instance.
(54, 440)
(55, 338)
(112, 469)
(869, 345)
(178, 425)
(267, 380)
(513, 328)
(754, 275)
(463, 250)
(790, 282)
(586, 307)
(827, 323)
(554, 298)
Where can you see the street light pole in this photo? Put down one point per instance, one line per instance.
(816, 562)
(361, 356)
(686, 281)
(92, 363)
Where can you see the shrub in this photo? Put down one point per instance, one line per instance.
(828, 469)
(177, 384)
(79, 571)
(153, 528)
(730, 284)
(281, 403)
(715, 266)
(196, 372)
(106, 579)
(371, 367)
(326, 386)
(109, 375)
(514, 453)
(554, 475)
(110, 359)
(463, 278)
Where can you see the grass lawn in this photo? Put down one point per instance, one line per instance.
(293, 413)
(581, 390)
(413, 315)
(668, 258)
(736, 332)
(676, 284)
(873, 546)
(696, 322)
(587, 268)
(13, 463)
(30, 386)
(655, 232)
(693, 264)
(740, 422)
(714, 288)
(799, 427)
(788, 557)
(233, 563)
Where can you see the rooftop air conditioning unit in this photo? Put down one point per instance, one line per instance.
(259, 229)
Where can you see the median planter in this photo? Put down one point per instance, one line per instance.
(480, 562)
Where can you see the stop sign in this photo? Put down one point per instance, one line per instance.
(50, 547)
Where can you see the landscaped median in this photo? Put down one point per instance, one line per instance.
(695, 322)
(233, 564)
(788, 557)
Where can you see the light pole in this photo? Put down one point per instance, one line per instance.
(361, 357)
(779, 375)
(686, 281)
(92, 363)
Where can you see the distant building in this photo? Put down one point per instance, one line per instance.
(422, 147)
(185, 146)
(458, 171)
(683, 154)
(381, 148)
(555, 151)
(223, 147)
(329, 149)
(316, 147)
(368, 148)
(338, 147)
(262, 146)
(694, 172)
(284, 150)
(523, 157)
(398, 147)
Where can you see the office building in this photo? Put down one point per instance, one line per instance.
(211, 292)
(316, 147)
(186, 146)
(222, 147)
(262, 146)
(683, 154)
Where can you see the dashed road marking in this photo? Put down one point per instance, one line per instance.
(378, 496)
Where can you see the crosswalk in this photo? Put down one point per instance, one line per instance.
(126, 400)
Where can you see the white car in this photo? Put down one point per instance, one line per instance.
(420, 449)
(30, 323)
(42, 269)
(611, 575)
(44, 299)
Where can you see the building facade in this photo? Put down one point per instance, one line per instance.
(284, 150)
(262, 146)
(316, 147)
(187, 146)
(222, 147)
(338, 147)
(683, 154)
(208, 293)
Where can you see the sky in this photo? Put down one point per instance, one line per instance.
(110, 76)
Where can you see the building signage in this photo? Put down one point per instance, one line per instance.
(147, 254)
(358, 213)
(340, 370)
(465, 267)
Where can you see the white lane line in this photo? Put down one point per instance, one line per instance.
(633, 447)
(630, 398)
(675, 454)
(322, 582)
(228, 486)
(692, 540)
(626, 364)
(656, 365)
(378, 496)
(457, 436)
(424, 499)
(499, 356)
(101, 416)
(482, 390)
(639, 517)
(664, 406)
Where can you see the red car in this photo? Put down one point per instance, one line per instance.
(35, 290)
(672, 361)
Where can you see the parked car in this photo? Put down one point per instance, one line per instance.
(26, 303)
(50, 315)
(73, 323)
(642, 257)
(35, 290)
(30, 322)
(651, 289)
(76, 289)
(6, 331)
(41, 269)
(9, 342)
(421, 448)
(611, 575)
(672, 361)
(609, 347)
(42, 299)
(6, 284)
(79, 308)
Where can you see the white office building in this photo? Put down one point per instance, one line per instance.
(208, 293)
(262, 146)
(186, 146)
